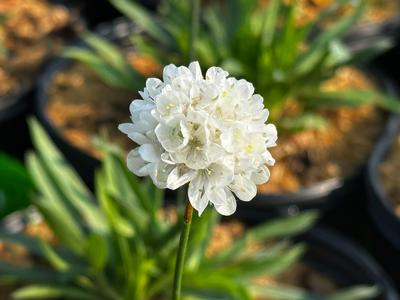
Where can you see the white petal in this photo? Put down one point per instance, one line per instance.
(194, 67)
(244, 188)
(166, 157)
(173, 135)
(196, 193)
(136, 164)
(261, 176)
(216, 75)
(221, 174)
(271, 134)
(269, 160)
(226, 205)
(244, 89)
(139, 138)
(169, 73)
(160, 174)
(149, 153)
(179, 176)
(154, 86)
(126, 128)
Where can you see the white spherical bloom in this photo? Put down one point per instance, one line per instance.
(209, 132)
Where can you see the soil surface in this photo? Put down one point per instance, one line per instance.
(376, 10)
(81, 106)
(389, 175)
(311, 156)
(32, 30)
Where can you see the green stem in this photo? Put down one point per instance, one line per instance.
(180, 257)
(194, 30)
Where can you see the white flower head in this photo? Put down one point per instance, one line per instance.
(210, 132)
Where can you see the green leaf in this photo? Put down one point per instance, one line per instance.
(97, 251)
(262, 264)
(119, 224)
(280, 228)
(63, 181)
(282, 292)
(214, 285)
(270, 23)
(320, 46)
(55, 260)
(119, 187)
(304, 121)
(52, 207)
(351, 98)
(17, 274)
(15, 185)
(283, 227)
(356, 293)
(142, 18)
(106, 72)
(106, 50)
(50, 292)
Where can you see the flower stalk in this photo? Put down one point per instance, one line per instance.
(180, 258)
(187, 218)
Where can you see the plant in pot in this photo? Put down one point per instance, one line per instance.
(317, 94)
(120, 243)
(30, 32)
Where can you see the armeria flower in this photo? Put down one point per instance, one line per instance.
(209, 132)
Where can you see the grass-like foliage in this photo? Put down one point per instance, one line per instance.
(116, 244)
(107, 61)
(266, 44)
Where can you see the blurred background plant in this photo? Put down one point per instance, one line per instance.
(288, 59)
(124, 246)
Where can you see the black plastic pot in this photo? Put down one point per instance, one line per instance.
(327, 252)
(343, 261)
(14, 132)
(85, 164)
(103, 11)
(380, 207)
(13, 128)
(365, 35)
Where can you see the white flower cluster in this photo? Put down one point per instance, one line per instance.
(210, 132)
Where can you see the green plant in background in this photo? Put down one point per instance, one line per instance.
(107, 61)
(265, 44)
(124, 248)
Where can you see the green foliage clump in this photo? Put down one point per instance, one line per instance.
(115, 244)
(265, 44)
